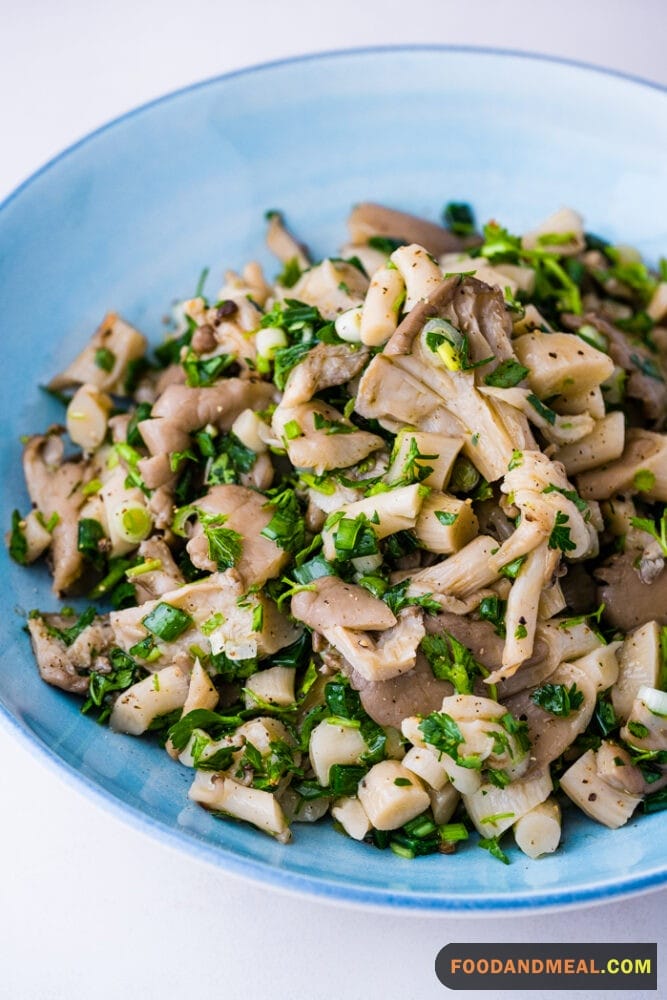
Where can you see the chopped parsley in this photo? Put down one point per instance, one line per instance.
(558, 699)
(123, 674)
(105, 359)
(287, 526)
(544, 411)
(658, 529)
(446, 517)
(451, 661)
(508, 374)
(201, 372)
(492, 609)
(560, 534)
(442, 733)
(491, 845)
(71, 634)
(18, 544)
(643, 480)
(458, 217)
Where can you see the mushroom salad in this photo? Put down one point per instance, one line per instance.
(384, 538)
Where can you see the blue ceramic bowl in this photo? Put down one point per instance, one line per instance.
(127, 218)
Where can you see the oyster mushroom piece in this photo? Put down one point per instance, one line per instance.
(306, 431)
(642, 466)
(229, 614)
(220, 405)
(332, 286)
(628, 601)
(64, 666)
(247, 513)
(324, 366)
(54, 488)
(588, 789)
(368, 219)
(330, 601)
(394, 652)
(104, 361)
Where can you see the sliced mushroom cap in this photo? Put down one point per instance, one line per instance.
(121, 344)
(68, 667)
(331, 601)
(417, 692)
(369, 219)
(645, 453)
(398, 399)
(324, 366)
(247, 513)
(53, 485)
(165, 577)
(628, 602)
(318, 449)
(163, 436)
(551, 735)
(332, 286)
(637, 360)
(219, 404)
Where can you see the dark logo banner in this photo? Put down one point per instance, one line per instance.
(548, 966)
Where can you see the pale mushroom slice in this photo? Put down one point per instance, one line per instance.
(588, 789)
(215, 615)
(324, 366)
(54, 484)
(220, 405)
(247, 513)
(368, 219)
(68, 666)
(330, 601)
(105, 360)
(393, 653)
(319, 437)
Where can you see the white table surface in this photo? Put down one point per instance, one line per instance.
(90, 908)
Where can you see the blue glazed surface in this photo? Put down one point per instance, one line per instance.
(127, 219)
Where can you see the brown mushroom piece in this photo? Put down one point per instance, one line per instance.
(578, 587)
(628, 601)
(369, 219)
(247, 513)
(165, 577)
(315, 447)
(417, 692)
(331, 601)
(53, 485)
(478, 312)
(487, 646)
(637, 360)
(219, 404)
(67, 667)
(551, 735)
(324, 366)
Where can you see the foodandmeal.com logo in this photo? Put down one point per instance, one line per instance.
(548, 966)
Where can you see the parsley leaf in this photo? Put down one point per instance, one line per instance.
(451, 661)
(492, 845)
(287, 526)
(558, 699)
(508, 374)
(560, 535)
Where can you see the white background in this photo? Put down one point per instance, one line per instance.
(89, 908)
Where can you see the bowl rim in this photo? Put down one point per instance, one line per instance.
(254, 870)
